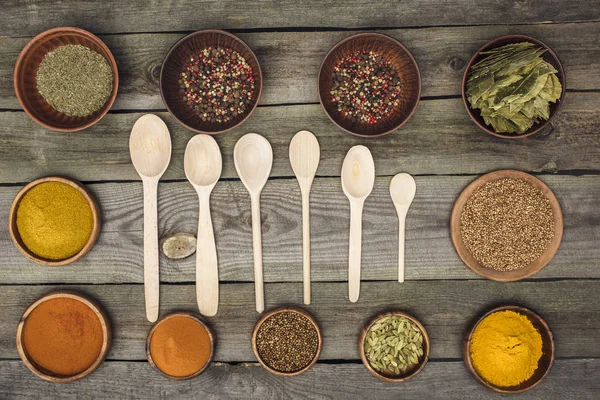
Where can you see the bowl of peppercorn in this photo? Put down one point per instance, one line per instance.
(369, 84)
(210, 81)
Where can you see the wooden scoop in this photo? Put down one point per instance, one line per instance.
(253, 158)
(150, 149)
(203, 164)
(402, 191)
(304, 157)
(358, 178)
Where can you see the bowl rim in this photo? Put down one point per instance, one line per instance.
(363, 335)
(530, 314)
(16, 237)
(466, 256)
(279, 310)
(395, 42)
(65, 31)
(186, 38)
(492, 44)
(104, 322)
(195, 317)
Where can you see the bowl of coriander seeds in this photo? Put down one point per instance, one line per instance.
(394, 346)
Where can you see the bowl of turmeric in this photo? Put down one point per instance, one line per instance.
(54, 221)
(509, 349)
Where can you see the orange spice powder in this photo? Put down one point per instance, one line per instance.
(63, 336)
(180, 346)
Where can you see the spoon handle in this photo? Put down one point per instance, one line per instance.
(306, 244)
(207, 271)
(257, 248)
(355, 250)
(151, 274)
(401, 244)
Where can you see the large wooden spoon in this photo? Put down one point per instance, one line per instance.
(203, 164)
(358, 178)
(253, 158)
(402, 191)
(150, 149)
(304, 157)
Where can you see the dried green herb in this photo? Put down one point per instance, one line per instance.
(513, 87)
(75, 80)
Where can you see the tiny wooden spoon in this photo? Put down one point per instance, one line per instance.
(150, 149)
(253, 158)
(402, 190)
(203, 164)
(305, 154)
(358, 178)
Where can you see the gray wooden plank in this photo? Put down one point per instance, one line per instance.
(290, 60)
(439, 380)
(439, 139)
(571, 308)
(118, 258)
(24, 18)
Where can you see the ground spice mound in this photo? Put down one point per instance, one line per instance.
(507, 224)
(287, 341)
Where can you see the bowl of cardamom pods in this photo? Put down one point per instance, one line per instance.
(394, 346)
(513, 86)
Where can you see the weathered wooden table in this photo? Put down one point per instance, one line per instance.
(439, 145)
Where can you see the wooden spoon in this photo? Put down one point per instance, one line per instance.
(150, 149)
(358, 178)
(402, 190)
(203, 165)
(304, 157)
(253, 159)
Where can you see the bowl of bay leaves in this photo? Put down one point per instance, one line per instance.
(513, 86)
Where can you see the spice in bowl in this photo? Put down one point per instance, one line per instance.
(287, 342)
(505, 348)
(75, 80)
(365, 87)
(218, 84)
(507, 224)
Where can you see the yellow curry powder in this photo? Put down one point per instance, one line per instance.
(54, 220)
(506, 348)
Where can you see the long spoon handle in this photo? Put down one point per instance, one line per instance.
(151, 273)
(257, 248)
(355, 250)
(401, 244)
(306, 244)
(207, 271)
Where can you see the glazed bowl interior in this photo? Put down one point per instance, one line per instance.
(174, 65)
(544, 365)
(549, 56)
(25, 78)
(402, 61)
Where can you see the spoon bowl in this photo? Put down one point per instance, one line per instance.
(202, 161)
(150, 146)
(358, 173)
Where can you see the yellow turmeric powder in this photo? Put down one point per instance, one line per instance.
(54, 220)
(505, 348)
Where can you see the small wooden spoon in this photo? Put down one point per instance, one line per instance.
(305, 154)
(253, 158)
(203, 165)
(358, 178)
(402, 190)
(150, 149)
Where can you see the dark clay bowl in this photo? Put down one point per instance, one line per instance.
(549, 56)
(398, 56)
(174, 64)
(26, 87)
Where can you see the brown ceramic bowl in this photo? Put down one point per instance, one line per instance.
(544, 365)
(465, 254)
(14, 232)
(26, 68)
(549, 56)
(49, 375)
(414, 370)
(194, 317)
(402, 60)
(174, 64)
(277, 311)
